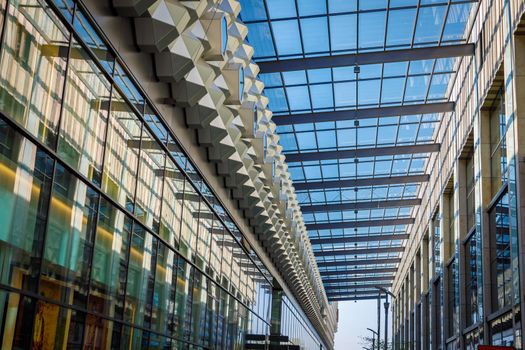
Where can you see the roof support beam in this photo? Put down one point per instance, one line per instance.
(363, 152)
(365, 113)
(403, 55)
(393, 203)
(356, 287)
(372, 181)
(356, 239)
(364, 297)
(379, 250)
(359, 262)
(370, 291)
(354, 272)
(358, 279)
(354, 224)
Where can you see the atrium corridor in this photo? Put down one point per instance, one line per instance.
(262, 174)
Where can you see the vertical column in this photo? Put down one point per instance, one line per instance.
(277, 304)
(483, 197)
(514, 77)
(416, 302)
(445, 254)
(460, 228)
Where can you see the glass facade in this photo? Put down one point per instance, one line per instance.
(109, 238)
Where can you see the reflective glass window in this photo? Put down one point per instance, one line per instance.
(141, 272)
(149, 183)
(163, 306)
(172, 204)
(84, 116)
(25, 185)
(32, 68)
(69, 239)
(17, 318)
(110, 259)
(122, 153)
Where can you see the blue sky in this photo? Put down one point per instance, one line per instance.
(354, 319)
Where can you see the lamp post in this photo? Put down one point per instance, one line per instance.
(378, 319)
(387, 305)
(374, 333)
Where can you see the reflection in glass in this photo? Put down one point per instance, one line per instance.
(172, 202)
(32, 69)
(108, 274)
(84, 116)
(25, 184)
(122, 151)
(149, 183)
(140, 281)
(69, 240)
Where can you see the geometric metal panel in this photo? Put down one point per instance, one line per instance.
(374, 181)
(379, 250)
(355, 239)
(363, 152)
(362, 205)
(364, 113)
(354, 224)
(403, 55)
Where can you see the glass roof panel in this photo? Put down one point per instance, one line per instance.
(308, 30)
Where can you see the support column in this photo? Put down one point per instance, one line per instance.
(515, 110)
(460, 228)
(483, 197)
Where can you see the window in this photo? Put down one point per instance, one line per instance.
(32, 72)
(453, 299)
(471, 192)
(122, 153)
(84, 116)
(25, 185)
(472, 278)
(501, 271)
(69, 240)
(498, 152)
(241, 84)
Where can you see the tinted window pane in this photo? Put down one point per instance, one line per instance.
(122, 151)
(69, 240)
(84, 118)
(32, 68)
(108, 275)
(25, 183)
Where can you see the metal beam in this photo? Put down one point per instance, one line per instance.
(359, 262)
(356, 239)
(349, 298)
(365, 113)
(371, 181)
(358, 279)
(357, 292)
(363, 152)
(403, 55)
(393, 203)
(378, 250)
(357, 286)
(354, 272)
(354, 224)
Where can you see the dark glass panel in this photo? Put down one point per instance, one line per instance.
(25, 185)
(17, 314)
(110, 259)
(69, 240)
(141, 269)
(163, 306)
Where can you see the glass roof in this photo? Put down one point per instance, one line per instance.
(360, 174)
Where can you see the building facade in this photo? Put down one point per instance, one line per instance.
(460, 283)
(144, 200)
